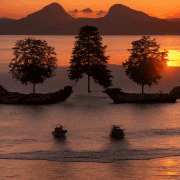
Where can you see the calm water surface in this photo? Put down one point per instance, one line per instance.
(150, 149)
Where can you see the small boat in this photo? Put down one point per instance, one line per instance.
(117, 132)
(59, 132)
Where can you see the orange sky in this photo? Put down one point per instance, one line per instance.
(21, 8)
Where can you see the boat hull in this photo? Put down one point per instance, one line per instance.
(117, 135)
(59, 135)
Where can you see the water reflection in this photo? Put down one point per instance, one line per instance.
(169, 167)
(162, 169)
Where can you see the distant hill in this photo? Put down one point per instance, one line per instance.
(37, 22)
(120, 20)
(49, 15)
(124, 20)
(120, 11)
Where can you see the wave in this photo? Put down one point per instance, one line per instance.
(105, 156)
(156, 132)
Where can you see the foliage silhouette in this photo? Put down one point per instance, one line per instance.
(146, 62)
(88, 58)
(34, 61)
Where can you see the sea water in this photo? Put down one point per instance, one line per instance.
(150, 149)
(152, 134)
(152, 130)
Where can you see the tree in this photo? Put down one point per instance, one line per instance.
(88, 58)
(34, 61)
(146, 62)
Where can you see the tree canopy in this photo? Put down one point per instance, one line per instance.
(88, 58)
(146, 62)
(34, 61)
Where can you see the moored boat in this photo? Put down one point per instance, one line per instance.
(116, 132)
(59, 132)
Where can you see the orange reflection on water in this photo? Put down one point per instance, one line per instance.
(174, 58)
(170, 166)
(169, 162)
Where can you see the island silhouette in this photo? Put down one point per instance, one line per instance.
(120, 20)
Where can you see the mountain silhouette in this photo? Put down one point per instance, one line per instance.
(121, 11)
(126, 21)
(37, 22)
(52, 14)
(4, 20)
(120, 20)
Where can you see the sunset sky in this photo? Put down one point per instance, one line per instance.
(20, 8)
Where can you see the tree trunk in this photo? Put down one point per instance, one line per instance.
(142, 88)
(89, 83)
(88, 70)
(34, 88)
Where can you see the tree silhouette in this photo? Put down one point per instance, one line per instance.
(34, 61)
(146, 62)
(88, 58)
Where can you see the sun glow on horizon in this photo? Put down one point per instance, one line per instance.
(174, 58)
(19, 8)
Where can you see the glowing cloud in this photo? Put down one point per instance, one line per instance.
(74, 11)
(101, 13)
(87, 10)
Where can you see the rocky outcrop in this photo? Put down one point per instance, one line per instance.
(110, 91)
(34, 99)
(2, 90)
(175, 91)
(120, 97)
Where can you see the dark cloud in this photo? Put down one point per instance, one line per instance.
(101, 13)
(74, 11)
(87, 10)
